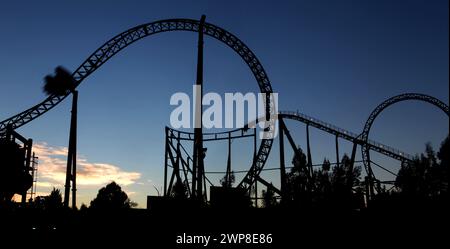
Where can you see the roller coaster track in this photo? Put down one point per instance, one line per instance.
(126, 38)
(360, 139)
(364, 137)
(264, 151)
(347, 135)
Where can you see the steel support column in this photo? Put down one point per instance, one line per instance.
(282, 160)
(28, 145)
(165, 160)
(198, 167)
(71, 155)
(337, 151)
(309, 151)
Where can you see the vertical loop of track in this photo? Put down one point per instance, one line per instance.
(365, 149)
(126, 38)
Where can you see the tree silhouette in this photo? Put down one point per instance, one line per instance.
(179, 190)
(83, 207)
(322, 183)
(427, 176)
(341, 173)
(51, 202)
(269, 200)
(54, 200)
(443, 173)
(338, 186)
(413, 178)
(228, 183)
(343, 180)
(297, 180)
(111, 197)
(444, 153)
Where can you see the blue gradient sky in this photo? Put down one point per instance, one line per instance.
(333, 60)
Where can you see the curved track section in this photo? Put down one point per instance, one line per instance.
(124, 39)
(347, 135)
(264, 151)
(257, 165)
(399, 98)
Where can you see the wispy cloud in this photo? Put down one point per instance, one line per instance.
(52, 169)
(44, 184)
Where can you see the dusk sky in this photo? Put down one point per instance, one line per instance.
(333, 60)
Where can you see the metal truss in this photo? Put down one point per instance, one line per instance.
(183, 135)
(364, 137)
(264, 149)
(347, 135)
(124, 39)
(180, 160)
(258, 164)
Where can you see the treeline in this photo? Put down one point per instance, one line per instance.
(422, 182)
(109, 198)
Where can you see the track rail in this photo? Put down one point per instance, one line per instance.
(347, 135)
(264, 149)
(126, 38)
(364, 137)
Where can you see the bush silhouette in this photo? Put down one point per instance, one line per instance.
(111, 197)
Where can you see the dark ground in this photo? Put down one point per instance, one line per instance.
(289, 228)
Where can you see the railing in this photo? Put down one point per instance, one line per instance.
(327, 126)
